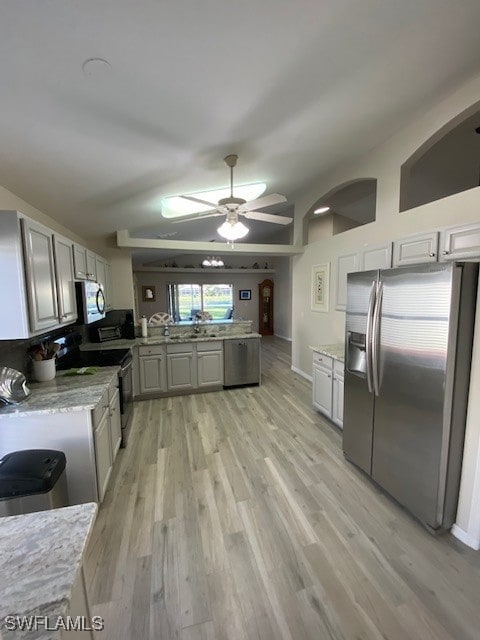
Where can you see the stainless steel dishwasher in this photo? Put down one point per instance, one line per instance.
(241, 362)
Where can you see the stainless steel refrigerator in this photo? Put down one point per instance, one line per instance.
(408, 345)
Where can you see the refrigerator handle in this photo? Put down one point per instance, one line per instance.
(376, 340)
(368, 337)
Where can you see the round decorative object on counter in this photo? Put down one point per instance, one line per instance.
(159, 319)
(13, 386)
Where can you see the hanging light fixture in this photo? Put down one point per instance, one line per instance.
(232, 230)
(213, 262)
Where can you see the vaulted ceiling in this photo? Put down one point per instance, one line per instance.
(294, 87)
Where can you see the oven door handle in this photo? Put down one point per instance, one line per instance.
(125, 368)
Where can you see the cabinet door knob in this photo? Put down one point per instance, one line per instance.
(328, 375)
(432, 255)
(445, 253)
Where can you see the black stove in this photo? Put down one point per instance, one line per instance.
(101, 358)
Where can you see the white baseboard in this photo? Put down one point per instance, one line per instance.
(277, 335)
(302, 373)
(465, 537)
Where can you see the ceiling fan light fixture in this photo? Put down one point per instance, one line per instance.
(233, 231)
(176, 206)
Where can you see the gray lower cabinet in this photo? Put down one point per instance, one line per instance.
(103, 453)
(337, 394)
(115, 421)
(322, 389)
(152, 369)
(180, 369)
(209, 364)
(107, 435)
(327, 387)
(79, 606)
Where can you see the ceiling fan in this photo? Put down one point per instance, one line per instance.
(232, 208)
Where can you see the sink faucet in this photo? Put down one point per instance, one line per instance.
(196, 327)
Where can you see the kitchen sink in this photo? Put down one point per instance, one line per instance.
(193, 336)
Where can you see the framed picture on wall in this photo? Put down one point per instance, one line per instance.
(321, 287)
(245, 294)
(149, 294)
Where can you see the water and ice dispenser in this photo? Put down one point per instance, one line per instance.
(356, 354)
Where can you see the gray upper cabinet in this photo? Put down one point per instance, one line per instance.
(91, 266)
(65, 280)
(80, 262)
(40, 276)
(39, 268)
(414, 249)
(108, 287)
(100, 270)
(345, 265)
(460, 243)
(377, 257)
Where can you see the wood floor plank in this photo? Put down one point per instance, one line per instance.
(234, 515)
(165, 618)
(214, 553)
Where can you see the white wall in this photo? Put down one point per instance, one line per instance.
(282, 300)
(10, 202)
(384, 164)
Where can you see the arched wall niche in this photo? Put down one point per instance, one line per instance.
(447, 163)
(351, 204)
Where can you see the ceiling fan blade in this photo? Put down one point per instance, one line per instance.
(265, 217)
(209, 204)
(196, 216)
(265, 201)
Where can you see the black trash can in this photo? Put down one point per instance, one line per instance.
(32, 480)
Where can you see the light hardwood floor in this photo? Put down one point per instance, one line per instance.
(234, 515)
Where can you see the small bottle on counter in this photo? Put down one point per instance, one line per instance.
(143, 323)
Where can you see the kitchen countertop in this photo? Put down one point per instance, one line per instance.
(129, 344)
(63, 394)
(40, 556)
(336, 351)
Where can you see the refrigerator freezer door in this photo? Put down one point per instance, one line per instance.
(410, 429)
(358, 399)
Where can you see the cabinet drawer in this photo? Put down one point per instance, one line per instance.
(338, 367)
(154, 350)
(215, 345)
(100, 409)
(185, 347)
(322, 360)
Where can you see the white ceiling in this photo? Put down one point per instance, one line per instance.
(292, 86)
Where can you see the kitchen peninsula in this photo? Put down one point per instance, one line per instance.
(41, 558)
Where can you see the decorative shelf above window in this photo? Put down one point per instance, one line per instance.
(200, 270)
